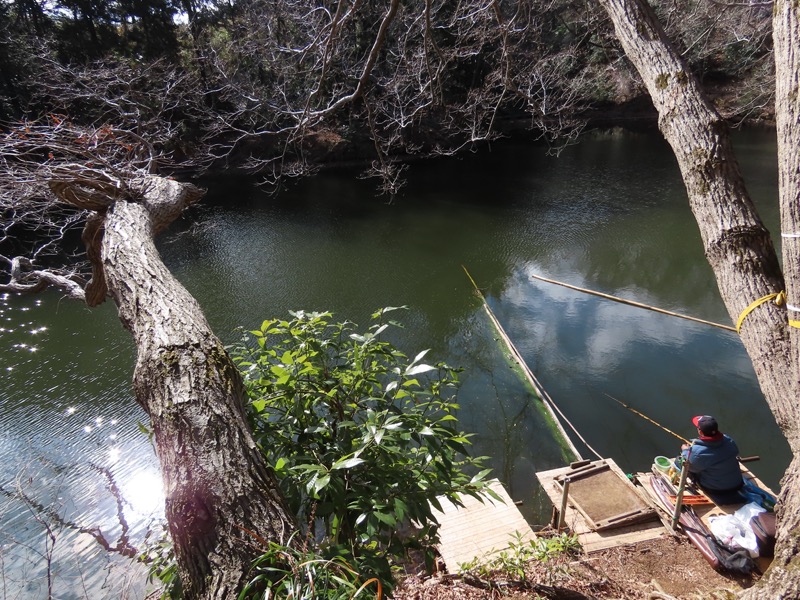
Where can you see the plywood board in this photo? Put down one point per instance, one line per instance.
(478, 529)
(577, 523)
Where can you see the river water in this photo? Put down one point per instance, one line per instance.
(609, 213)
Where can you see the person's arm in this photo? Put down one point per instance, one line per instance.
(686, 450)
(695, 459)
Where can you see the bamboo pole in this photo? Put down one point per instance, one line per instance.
(679, 498)
(547, 401)
(633, 303)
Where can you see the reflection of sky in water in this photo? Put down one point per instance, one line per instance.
(69, 445)
(585, 349)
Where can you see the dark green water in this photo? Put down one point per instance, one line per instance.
(609, 214)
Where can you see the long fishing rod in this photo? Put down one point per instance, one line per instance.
(742, 459)
(633, 410)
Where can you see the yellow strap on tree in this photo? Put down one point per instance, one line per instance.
(780, 298)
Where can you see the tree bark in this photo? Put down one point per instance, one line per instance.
(782, 577)
(736, 243)
(221, 497)
(786, 40)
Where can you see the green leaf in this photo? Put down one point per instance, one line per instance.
(480, 476)
(389, 309)
(419, 356)
(417, 369)
(320, 483)
(278, 370)
(309, 467)
(385, 518)
(348, 463)
(494, 495)
(401, 508)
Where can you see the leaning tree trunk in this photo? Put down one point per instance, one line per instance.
(736, 243)
(221, 496)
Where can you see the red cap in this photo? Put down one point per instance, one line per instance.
(706, 424)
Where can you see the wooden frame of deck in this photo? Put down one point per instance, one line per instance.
(576, 521)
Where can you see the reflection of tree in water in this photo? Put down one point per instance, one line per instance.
(508, 431)
(514, 434)
(498, 402)
(48, 543)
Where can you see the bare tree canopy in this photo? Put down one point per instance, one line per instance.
(282, 87)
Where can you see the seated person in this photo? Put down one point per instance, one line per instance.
(713, 462)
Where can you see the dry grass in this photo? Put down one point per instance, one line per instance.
(664, 569)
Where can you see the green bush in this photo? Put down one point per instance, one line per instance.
(362, 439)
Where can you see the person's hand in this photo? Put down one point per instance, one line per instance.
(685, 447)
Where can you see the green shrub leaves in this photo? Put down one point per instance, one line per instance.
(361, 438)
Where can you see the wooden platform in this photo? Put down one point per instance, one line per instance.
(478, 529)
(578, 517)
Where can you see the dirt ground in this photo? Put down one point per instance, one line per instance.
(664, 569)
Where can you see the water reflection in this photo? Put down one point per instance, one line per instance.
(143, 491)
(609, 214)
(71, 447)
(585, 348)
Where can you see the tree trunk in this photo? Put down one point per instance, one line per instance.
(786, 40)
(221, 497)
(736, 243)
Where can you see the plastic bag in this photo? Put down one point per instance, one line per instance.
(748, 511)
(729, 530)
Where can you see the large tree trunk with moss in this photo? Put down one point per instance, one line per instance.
(221, 497)
(737, 245)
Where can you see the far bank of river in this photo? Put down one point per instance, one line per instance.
(608, 214)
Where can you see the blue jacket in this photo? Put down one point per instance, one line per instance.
(713, 463)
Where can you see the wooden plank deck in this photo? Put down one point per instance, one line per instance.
(478, 529)
(577, 522)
